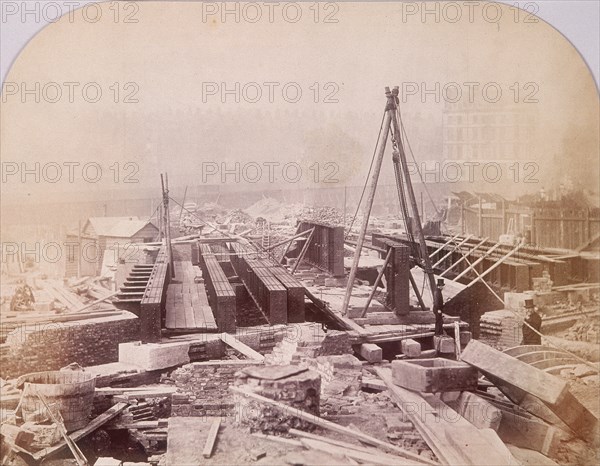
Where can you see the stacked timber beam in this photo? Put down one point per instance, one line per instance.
(221, 294)
(326, 249)
(152, 305)
(397, 275)
(295, 290)
(268, 293)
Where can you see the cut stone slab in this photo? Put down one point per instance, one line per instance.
(519, 374)
(371, 352)
(444, 344)
(434, 375)
(153, 356)
(478, 411)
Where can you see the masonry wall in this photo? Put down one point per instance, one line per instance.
(46, 347)
(203, 388)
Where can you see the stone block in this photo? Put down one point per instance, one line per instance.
(152, 356)
(444, 344)
(434, 375)
(371, 352)
(478, 411)
(411, 348)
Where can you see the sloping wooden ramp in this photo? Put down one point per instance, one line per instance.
(187, 306)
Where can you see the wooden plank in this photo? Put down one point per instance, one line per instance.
(241, 347)
(331, 425)
(190, 320)
(342, 452)
(212, 438)
(514, 372)
(376, 456)
(282, 440)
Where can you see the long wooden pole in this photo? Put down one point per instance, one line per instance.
(289, 240)
(304, 249)
(452, 250)
(325, 424)
(464, 256)
(167, 221)
(485, 254)
(369, 204)
(392, 110)
(497, 264)
(443, 246)
(416, 290)
(183, 203)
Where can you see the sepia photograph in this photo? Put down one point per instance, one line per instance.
(299, 233)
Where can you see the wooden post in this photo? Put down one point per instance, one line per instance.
(182, 205)
(385, 129)
(588, 231)
(79, 250)
(533, 232)
(504, 217)
(416, 220)
(480, 219)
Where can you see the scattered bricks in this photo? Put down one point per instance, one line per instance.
(201, 383)
(298, 388)
(411, 348)
(89, 343)
(465, 337)
(434, 375)
(256, 454)
(371, 352)
(398, 424)
(179, 399)
(443, 344)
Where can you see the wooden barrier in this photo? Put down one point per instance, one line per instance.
(326, 249)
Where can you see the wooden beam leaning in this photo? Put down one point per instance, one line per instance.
(457, 246)
(496, 264)
(484, 255)
(377, 280)
(443, 246)
(464, 256)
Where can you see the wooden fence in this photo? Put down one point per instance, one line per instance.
(549, 228)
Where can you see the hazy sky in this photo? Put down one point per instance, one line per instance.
(176, 61)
